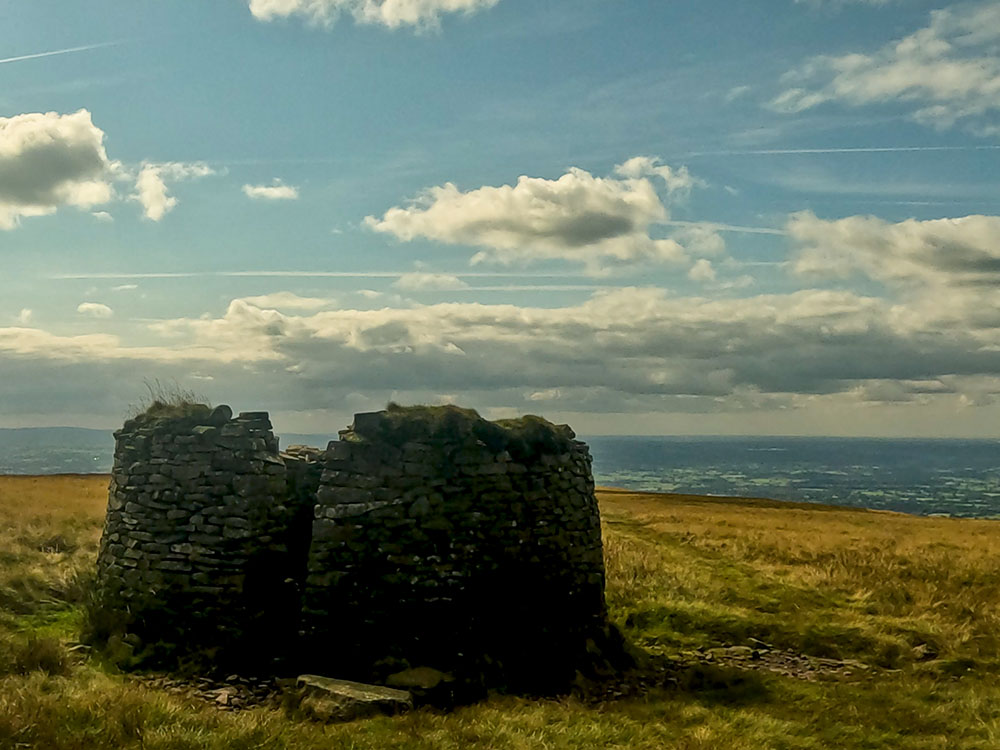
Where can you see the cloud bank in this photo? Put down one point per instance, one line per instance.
(622, 350)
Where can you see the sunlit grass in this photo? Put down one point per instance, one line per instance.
(917, 598)
(889, 588)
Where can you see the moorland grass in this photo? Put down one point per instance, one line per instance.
(169, 401)
(916, 598)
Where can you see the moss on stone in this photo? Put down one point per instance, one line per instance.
(175, 410)
(523, 438)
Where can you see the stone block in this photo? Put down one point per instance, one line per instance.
(328, 700)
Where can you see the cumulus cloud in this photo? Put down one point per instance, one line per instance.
(948, 71)
(389, 13)
(577, 217)
(24, 317)
(702, 270)
(94, 310)
(958, 252)
(701, 238)
(428, 282)
(944, 273)
(51, 160)
(676, 180)
(276, 191)
(152, 191)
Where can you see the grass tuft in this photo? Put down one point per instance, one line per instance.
(168, 401)
(22, 656)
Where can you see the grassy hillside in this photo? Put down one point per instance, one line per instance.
(851, 629)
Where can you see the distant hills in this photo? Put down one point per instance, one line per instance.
(76, 450)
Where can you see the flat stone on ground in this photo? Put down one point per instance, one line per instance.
(329, 700)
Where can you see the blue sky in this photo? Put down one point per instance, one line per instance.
(642, 217)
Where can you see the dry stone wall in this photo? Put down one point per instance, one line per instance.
(429, 539)
(442, 550)
(195, 551)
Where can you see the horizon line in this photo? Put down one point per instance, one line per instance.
(686, 435)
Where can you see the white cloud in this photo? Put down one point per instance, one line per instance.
(577, 217)
(152, 190)
(24, 317)
(51, 160)
(550, 394)
(808, 342)
(681, 354)
(944, 272)
(702, 238)
(94, 309)
(276, 191)
(124, 287)
(961, 252)
(737, 91)
(103, 216)
(288, 301)
(948, 71)
(702, 271)
(428, 282)
(676, 180)
(389, 13)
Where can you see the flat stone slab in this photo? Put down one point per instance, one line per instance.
(328, 700)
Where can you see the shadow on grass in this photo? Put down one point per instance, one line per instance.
(709, 684)
(720, 685)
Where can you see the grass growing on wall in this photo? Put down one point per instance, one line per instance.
(525, 437)
(169, 400)
(915, 598)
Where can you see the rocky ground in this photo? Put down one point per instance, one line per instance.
(234, 693)
(723, 666)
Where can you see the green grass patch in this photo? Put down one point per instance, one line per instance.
(914, 598)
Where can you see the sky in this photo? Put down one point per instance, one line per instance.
(642, 217)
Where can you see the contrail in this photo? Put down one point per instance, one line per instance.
(52, 53)
(722, 227)
(862, 150)
(309, 275)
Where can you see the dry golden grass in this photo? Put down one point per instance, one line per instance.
(45, 499)
(49, 531)
(885, 586)
(917, 595)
